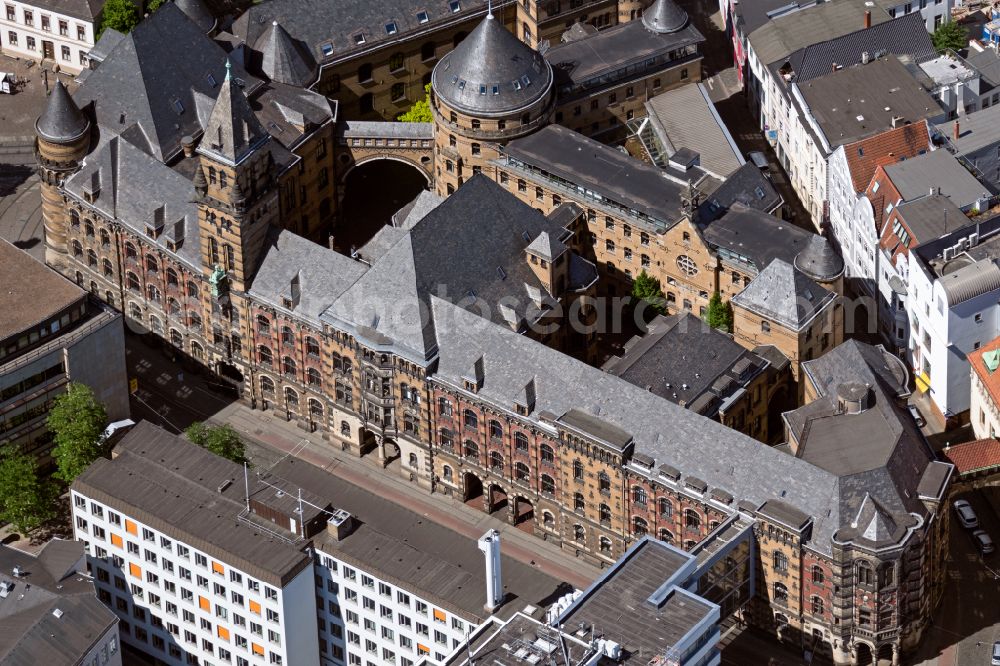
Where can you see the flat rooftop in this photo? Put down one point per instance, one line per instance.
(636, 604)
(31, 292)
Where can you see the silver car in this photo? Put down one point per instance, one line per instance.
(995, 661)
(965, 514)
(983, 542)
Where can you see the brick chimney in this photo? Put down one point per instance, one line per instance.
(868, 18)
(957, 132)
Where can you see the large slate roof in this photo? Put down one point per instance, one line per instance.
(940, 170)
(198, 12)
(62, 121)
(755, 238)
(86, 10)
(283, 60)
(748, 187)
(785, 295)
(491, 72)
(158, 83)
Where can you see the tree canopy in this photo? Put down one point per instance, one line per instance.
(77, 421)
(122, 15)
(420, 112)
(26, 499)
(647, 288)
(719, 314)
(951, 35)
(221, 440)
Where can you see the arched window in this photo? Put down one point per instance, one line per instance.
(312, 347)
(345, 365)
(345, 428)
(548, 520)
(152, 265)
(288, 366)
(176, 339)
(470, 419)
(343, 393)
(547, 454)
(131, 252)
(605, 545)
(638, 494)
(521, 471)
(230, 257)
(496, 460)
(780, 561)
(194, 321)
(605, 513)
(315, 407)
(604, 483)
(579, 504)
(639, 527)
(313, 377)
(410, 425)
(691, 519)
(817, 605)
(446, 439)
(291, 398)
(520, 442)
(496, 430)
(666, 535)
(817, 574)
(780, 592)
(579, 534)
(77, 248)
(109, 296)
(192, 290)
(132, 282)
(197, 351)
(547, 483)
(264, 356)
(665, 508)
(287, 337)
(172, 277)
(471, 449)
(135, 311)
(577, 470)
(173, 307)
(414, 460)
(446, 473)
(223, 177)
(155, 326)
(153, 293)
(267, 385)
(74, 218)
(109, 269)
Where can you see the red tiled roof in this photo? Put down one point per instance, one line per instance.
(886, 148)
(972, 456)
(990, 380)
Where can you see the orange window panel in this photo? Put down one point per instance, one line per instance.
(218, 568)
(258, 649)
(117, 541)
(203, 603)
(439, 616)
(131, 528)
(135, 570)
(223, 633)
(423, 649)
(255, 607)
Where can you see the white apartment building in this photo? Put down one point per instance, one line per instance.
(56, 33)
(205, 566)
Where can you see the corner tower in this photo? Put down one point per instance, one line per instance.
(236, 200)
(492, 88)
(62, 141)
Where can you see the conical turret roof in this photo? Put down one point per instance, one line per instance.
(819, 260)
(281, 58)
(492, 73)
(62, 120)
(233, 131)
(664, 16)
(198, 13)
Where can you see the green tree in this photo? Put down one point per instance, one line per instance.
(420, 112)
(153, 5)
(647, 288)
(719, 314)
(26, 499)
(951, 35)
(122, 15)
(77, 421)
(221, 440)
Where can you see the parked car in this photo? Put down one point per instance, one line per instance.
(983, 542)
(965, 514)
(995, 661)
(917, 416)
(759, 160)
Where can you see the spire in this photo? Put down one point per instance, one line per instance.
(283, 60)
(664, 16)
(233, 131)
(62, 121)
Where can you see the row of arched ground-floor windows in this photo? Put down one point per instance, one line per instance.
(293, 403)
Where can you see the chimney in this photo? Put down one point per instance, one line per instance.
(868, 18)
(957, 132)
(489, 543)
(833, 67)
(187, 143)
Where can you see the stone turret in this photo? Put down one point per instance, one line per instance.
(63, 139)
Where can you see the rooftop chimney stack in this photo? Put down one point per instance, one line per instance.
(957, 131)
(489, 543)
(868, 18)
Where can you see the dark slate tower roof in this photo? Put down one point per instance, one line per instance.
(62, 120)
(281, 58)
(198, 13)
(819, 260)
(492, 73)
(233, 131)
(664, 16)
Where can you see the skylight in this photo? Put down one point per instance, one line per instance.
(454, 6)
(359, 38)
(390, 28)
(422, 17)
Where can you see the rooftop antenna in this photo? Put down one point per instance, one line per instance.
(246, 485)
(302, 530)
(489, 9)
(468, 646)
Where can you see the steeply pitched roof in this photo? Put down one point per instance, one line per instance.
(664, 16)
(491, 72)
(865, 156)
(746, 186)
(782, 294)
(820, 260)
(157, 81)
(282, 59)
(233, 131)
(984, 363)
(62, 121)
(198, 12)
(972, 457)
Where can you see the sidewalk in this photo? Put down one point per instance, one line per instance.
(277, 437)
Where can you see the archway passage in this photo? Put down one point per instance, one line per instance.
(864, 653)
(884, 655)
(373, 192)
(392, 452)
(497, 499)
(473, 490)
(524, 514)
